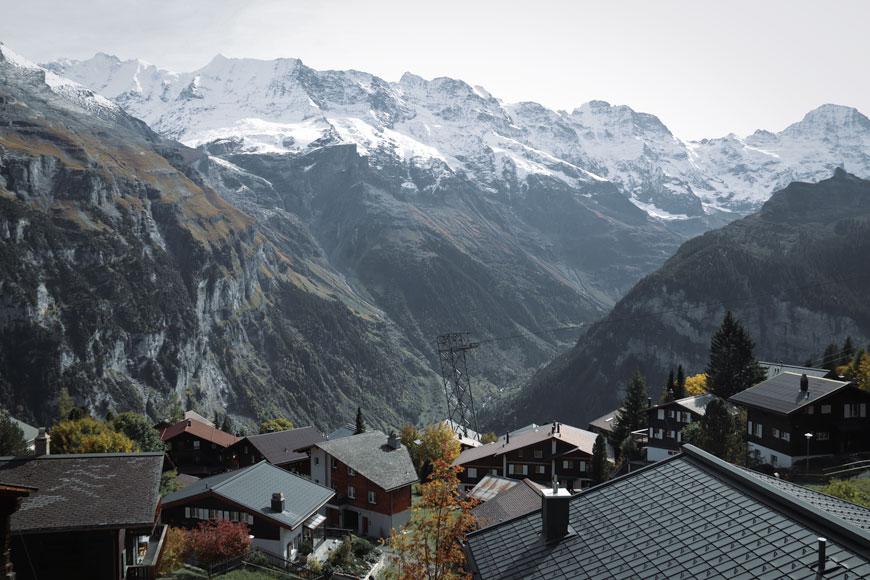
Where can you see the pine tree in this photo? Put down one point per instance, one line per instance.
(600, 468)
(831, 357)
(632, 412)
(848, 351)
(360, 422)
(719, 432)
(669, 390)
(732, 367)
(680, 387)
(11, 437)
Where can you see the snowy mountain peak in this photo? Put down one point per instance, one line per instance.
(282, 106)
(830, 119)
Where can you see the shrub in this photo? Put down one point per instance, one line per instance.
(305, 547)
(215, 541)
(174, 550)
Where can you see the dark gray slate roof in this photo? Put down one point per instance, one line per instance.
(252, 487)
(87, 491)
(281, 447)
(782, 393)
(370, 456)
(690, 516)
(519, 499)
(845, 510)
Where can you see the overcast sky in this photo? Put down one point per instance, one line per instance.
(705, 68)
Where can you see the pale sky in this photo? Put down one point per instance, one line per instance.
(704, 68)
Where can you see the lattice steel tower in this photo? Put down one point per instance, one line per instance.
(454, 372)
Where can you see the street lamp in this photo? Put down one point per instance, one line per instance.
(808, 436)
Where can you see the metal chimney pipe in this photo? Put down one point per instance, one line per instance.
(823, 544)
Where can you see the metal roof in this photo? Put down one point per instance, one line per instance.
(85, 491)
(280, 447)
(369, 455)
(782, 393)
(490, 486)
(252, 487)
(773, 369)
(690, 516)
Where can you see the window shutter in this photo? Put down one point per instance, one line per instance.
(750, 426)
(679, 436)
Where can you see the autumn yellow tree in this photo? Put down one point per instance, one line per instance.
(430, 546)
(438, 441)
(88, 435)
(174, 551)
(696, 385)
(858, 370)
(279, 424)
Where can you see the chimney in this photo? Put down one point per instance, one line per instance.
(649, 402)
(823, 544)
(393, 440)
(278, 502)
(507, 437)
(805, 383)
(42, 443)
(555, 504)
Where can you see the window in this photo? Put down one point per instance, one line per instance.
(472, 472)
(517, 469)
(851, 410)
(671, 414)
(334, 464)
(373, 497)
(786, 436)
(749, 424)
(823, 436)
(660, 433)
(493, 471)
(316, 461)
(679, 436)
(826, 409)
(651, 433)
(671, 434)
(245, 449)
(773, 459)
(538, 453)
(687, 417)
(351, 492)
(350, 470)
(540, 469)
(334, 486)
(776, 433)
(759, 430)
(661, 414)
(567, 464)
(582, 466)
(196, 444)
(810, 410)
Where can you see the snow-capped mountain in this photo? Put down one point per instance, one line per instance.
(283, 106)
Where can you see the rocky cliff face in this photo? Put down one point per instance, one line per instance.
(128, 280)
(794, 274)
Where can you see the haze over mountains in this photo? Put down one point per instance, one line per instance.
(350, 221)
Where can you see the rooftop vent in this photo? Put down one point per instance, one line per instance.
(278, 501)
(42, 443)
(393, 440)
(805, 383)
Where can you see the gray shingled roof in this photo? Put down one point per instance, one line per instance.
(519, 499)
(253, 486)
(280, 447)
(86, 491)
(690, 516)
(369, 455)
(782, 393)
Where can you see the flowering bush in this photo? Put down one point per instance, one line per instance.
(218, 540)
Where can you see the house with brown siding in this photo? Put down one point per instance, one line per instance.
(782, 410)
(196, 448)
(285, 449)
(372, 476)
(538, 454)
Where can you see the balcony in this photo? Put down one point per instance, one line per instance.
(146, 566)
